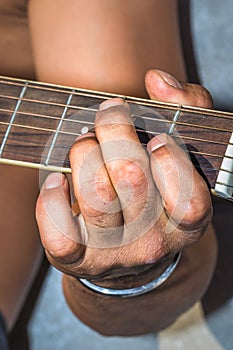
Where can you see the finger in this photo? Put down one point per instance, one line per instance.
(162, 86)
(59, 232)
(184, 192)
(128, 166)
(96, 196)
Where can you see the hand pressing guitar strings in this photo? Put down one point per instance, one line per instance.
(139, 211)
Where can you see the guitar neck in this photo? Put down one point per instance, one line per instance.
(39, 122)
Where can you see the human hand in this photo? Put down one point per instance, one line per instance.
(138, 210)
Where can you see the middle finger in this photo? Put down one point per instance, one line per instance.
(128, 167)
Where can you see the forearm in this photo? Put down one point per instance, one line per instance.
(105, 45)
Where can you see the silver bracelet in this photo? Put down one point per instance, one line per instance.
(132, 292)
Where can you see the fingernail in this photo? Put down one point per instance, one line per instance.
(157, 142)
(54, 180)
(86, 135)
(170, 80)
(111, 103)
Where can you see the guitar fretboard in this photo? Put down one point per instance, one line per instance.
(39, 123)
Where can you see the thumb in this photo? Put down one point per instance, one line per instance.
(162, 86)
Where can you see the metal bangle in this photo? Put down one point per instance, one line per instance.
(132, 292)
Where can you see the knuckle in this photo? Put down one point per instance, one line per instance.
(98, 198)
(150, 248)
(131, 171)
(201, 96)
(56, 248)
(197, 216)
(207, 100)
(81, 149)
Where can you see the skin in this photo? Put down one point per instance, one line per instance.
(121, 69)
(118, 266)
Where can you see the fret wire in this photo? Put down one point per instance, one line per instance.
(224, 184)
(174, 122)
(58, 129)
(104, 95)
(166, 121)
(153, 133)
(12, 118)
(225, 170)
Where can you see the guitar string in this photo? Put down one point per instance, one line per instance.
(196, 166)
(66, 164)
(104, 95)
(138, 130)
(142, 131)
(207, 127)
(159, 105)
(171, 122)
(68, 147)
(62, 146)
(144, 118)
(152, 104)
(78, 134)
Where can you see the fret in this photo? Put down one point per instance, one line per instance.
(12, 118)
(224, 183)
(175, 120)
(69, 131)
(58, 129)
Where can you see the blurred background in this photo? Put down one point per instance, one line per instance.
(212, 28)
(53, 326)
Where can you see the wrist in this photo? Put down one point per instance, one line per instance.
(131, 285)
(110, 315)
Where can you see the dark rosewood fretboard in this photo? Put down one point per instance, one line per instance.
(39, 122)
